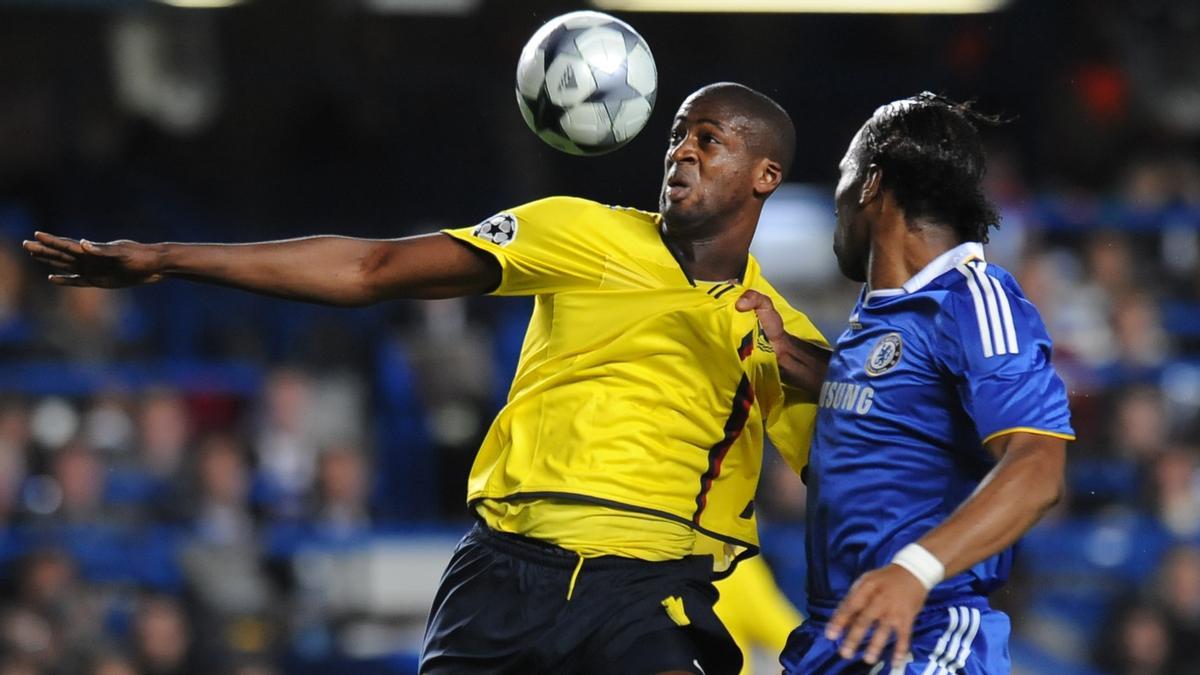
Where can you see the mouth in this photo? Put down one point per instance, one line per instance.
(676, 189)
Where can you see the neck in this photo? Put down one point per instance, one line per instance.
(901, 249)
(720, 253)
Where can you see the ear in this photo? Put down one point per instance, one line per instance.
(768, 176)
(871, 185)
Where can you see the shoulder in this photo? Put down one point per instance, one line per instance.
(579, 206)
(977, 289)
(984, 309)
(555, 207)
(574, 213)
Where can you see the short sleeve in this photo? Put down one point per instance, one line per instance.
(547, 246)
(994, 344)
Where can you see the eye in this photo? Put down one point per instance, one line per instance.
(676, 135)
(709, 139)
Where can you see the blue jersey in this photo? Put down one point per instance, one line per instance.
(922, 378)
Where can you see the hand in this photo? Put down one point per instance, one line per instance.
(886, 600)
(802, 364)
(768, 317)
(84, 263)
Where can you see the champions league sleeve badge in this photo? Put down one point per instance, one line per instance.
(500, 229)
(884, 355)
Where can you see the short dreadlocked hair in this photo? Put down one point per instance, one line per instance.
(932, 159)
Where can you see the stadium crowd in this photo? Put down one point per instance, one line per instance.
(159, 501)
(197, 481)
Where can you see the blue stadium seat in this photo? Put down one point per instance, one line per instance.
(1080, 566)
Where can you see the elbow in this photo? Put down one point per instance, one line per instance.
(365, 287)
(362, 294)
(1053, 494)
(1049, 488)
(374, 278)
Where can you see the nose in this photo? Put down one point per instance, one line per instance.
(685, 151)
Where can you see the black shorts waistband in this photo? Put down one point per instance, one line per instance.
(551, 555)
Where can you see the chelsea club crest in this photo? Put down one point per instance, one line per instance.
(884, 355)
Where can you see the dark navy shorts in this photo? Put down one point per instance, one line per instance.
(963, 638)
(502, 607)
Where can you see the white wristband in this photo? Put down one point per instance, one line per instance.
(922, 564)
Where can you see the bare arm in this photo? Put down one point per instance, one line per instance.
(1018, 491)
(1022, 486)
(323, 269)
(802, 364)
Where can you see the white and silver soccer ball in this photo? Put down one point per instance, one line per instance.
(586, 83)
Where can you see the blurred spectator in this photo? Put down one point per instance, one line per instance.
(1138, 642)
(1076, 314)
(221, 514)
(1179, 593)
(285, 443)
(13, 325)
(455, 371)
(154, 474)
(162, 639)
(1142, 345)
(49, 584)
(343, 493)
(108, 427)
(112, 664)
(1175, 492)
(1110, 263)
(90, 325)
(80, 475)
(222, 561)
(1139, 427)
(14, 441)
(255, 667)
(164, 431)
(18, 666)
(1149, 183)
(29, 638)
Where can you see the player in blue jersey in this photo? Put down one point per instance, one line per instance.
(942, 430)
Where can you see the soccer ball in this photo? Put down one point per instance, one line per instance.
(586, 83)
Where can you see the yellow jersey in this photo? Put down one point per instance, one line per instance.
(640, 393)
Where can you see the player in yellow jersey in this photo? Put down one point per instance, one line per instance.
(618, 480)
(755, 611)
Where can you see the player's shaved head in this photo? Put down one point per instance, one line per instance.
(769, 131)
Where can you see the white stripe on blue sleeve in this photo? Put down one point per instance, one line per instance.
(1010, 331)
(985, 334)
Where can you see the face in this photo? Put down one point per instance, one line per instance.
(851, 242)
(708, 170)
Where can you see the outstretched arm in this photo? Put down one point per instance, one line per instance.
(323, 269)
(1025, 483)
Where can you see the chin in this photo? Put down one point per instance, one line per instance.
(855, 275)
(851, 270)
(675, 213)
